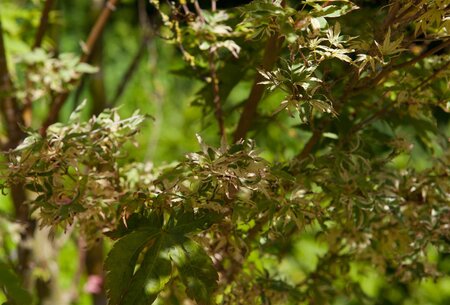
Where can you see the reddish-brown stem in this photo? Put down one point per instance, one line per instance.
(217, 100)
(389, 69)
(432, 76)
(422, 56)
(8, 103)
(12, 116)
(97, 29)
(127, 76)
(94, 35)
(271, 51)
(368, 120)
(132, 68)
(199, 11)
(96, 84)
(352, 89)
(307, 149)
(40, 33)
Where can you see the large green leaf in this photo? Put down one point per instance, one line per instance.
(121, 262)
(151, 277)
(197, 272)
(135, 222)
(185, 222)
(130, 281)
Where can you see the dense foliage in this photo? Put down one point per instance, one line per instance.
(342, 196)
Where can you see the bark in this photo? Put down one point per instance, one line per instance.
(272, 49)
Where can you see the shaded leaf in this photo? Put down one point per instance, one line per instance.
(10, 283)
(151, 277)
(121, 262)
(197, 272)
(187, 222)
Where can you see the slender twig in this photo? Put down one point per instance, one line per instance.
(96, 81)
(392, 16)
(8, 103)
(144, 19)
(186, 9)
(305, 61)
(199, 11)
(157, 97)
(389, 69)
(95, 33)
(97, 29)
(270, 57)
(40, 33)
(406, 11)
(432, 76)
(385, 109)
(352, 88)
(127, 76)
(422, 56)
(134, 64)
(12, 115)
(271, 51)
(368, 120)
(217, 100)
(307, 149)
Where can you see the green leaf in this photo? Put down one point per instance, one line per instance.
(135, 222)
(128, 286)
(10, 284)
(121, 261)
(334, 11)
(75, 116)
(197, 272)
(188, 222)
(151, 277)
(86, 68)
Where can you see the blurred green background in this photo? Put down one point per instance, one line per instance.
(155, 90)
